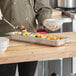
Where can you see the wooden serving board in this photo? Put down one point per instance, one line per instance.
(56, 13)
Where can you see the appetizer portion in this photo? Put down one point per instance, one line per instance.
(37, 35)
(21, 34)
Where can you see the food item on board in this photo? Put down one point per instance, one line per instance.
(37, 35)
(20, 28)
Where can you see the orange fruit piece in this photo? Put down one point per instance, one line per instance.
(22, 27)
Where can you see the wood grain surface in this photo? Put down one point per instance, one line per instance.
(56, 13)
(22, 52)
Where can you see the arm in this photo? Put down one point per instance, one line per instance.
(43, 10)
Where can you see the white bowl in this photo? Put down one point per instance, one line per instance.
(3, 49)
(4, 42)
(4, 45)
(4, 39)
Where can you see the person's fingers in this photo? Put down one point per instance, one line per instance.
(51, 26)
(58, 27)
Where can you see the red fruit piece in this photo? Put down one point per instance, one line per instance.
(22, 27)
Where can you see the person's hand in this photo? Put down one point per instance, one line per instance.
(1, 15)
(52, 24)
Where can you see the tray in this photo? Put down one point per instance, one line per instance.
(40, 40)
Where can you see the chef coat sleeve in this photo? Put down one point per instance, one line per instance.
(43, 10)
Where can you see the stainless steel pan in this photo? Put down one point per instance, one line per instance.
(67, 3)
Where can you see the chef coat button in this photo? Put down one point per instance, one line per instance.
(26, 18)
(36, 10)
